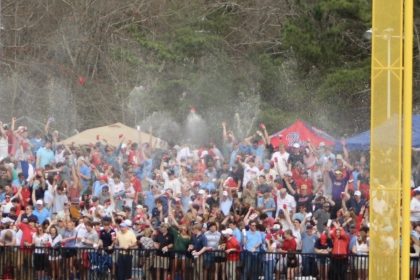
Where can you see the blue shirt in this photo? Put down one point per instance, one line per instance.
(85, 171)
(97, 188)
(308, 243)
(266, 205)
(238, 235)
(199, 242)
(253, 240)
(36, 144)
(207, 186)
(45, 156)
(258, 152)
(352, 242)
(149, 201)
(41, 215)
(355, 175)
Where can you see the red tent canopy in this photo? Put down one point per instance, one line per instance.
(301, 132)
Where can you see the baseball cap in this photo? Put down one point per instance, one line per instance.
(338, 172)
(103, 178)
(129, 223)
(357, 193)
(39, 202)
(225, 193)
(276, 227)
(296, 145)
(123, 225)
(339, 156)
(139, 206)
(227, 231)
(201, 192)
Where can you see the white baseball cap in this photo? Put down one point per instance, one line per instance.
(128, 223)
(39, 202)
(357, 193)
(227, 231)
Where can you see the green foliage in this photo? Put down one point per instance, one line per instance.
(325, 34)
(342, 84)
(194, 43)
(125, 55)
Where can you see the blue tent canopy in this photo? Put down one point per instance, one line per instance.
(361, 141)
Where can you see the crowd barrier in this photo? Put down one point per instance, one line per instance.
(89, 263)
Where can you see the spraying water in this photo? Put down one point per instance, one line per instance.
(196, 130)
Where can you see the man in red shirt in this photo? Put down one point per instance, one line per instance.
(232, 251)
(24, 195)
(289, 245)
(136, 185)
(27, 226)
(339, 253)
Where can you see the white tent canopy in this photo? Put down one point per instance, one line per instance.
(112, 134)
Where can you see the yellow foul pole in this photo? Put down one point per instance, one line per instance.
(386, 141)
(407, 137)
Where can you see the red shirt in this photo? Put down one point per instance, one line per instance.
(26, 197)
(302, 181)
(134, 157)
(340, 243)
(136, 184)
(11, 140)
(232, 243)
(289, 245)
(27, 232)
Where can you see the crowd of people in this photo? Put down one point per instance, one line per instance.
(251, 201)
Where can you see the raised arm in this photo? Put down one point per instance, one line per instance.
(289, 187)
(266, 137)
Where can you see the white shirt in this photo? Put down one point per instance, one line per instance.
(4, 145)
(116, 188)
(128, 201)
(173, 184)
(250, 173)
(281, 161)
(59, 157)
(41, 241)
(7, 206)
(80, 233)
(288, 200)
(225, 205)
(58, 202)
(183, 153)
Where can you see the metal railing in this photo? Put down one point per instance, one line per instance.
(89, 263)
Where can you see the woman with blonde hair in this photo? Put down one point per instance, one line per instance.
(249, 194)
(182, 239)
